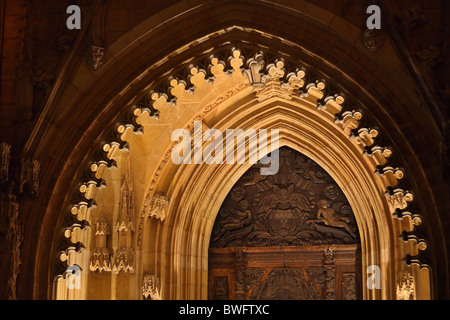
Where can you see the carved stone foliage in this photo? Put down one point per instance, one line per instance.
(374, 39)
(159, 207)
(100, 259)
(96, 57)
(124, 260)
(300, 205)
(272, 87)
(405, 286)
(151, 287)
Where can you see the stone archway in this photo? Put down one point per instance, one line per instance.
(191, 211)
(180, 202)
(77, 143)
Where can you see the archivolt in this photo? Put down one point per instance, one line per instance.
(286, 80)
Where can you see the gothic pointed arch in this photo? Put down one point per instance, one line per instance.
(310, 117)
(142, 86)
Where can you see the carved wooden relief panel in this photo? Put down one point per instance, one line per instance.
(221, 288)
(290, 236)
(300, 205)
(331, 272)
(290, 284)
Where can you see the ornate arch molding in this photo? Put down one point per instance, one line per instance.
(284, 80)
(61, 139)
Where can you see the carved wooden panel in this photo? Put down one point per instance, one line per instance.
(285, 273)
(349, 286)
(290, 236)
(290, 284)
(300, 205)
(221, 288)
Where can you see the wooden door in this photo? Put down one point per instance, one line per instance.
(288, 236)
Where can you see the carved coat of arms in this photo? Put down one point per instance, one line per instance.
(300, 205)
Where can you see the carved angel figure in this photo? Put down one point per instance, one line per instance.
(240, 219)
(327, 215)
(303, 167)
